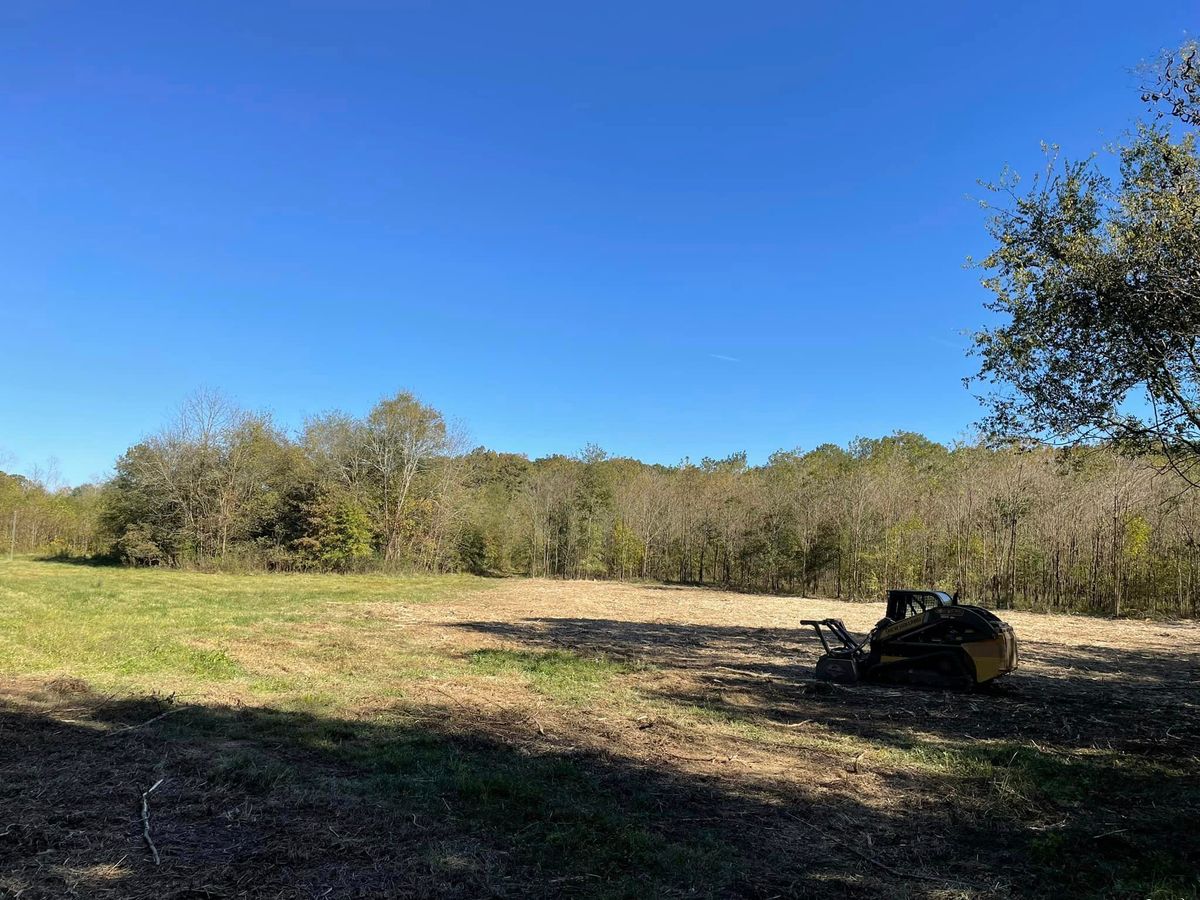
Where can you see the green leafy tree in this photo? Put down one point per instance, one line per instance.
(1096, 280)
(336, 531)
(625, 551)
(136, 547)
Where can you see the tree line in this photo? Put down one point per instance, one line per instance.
(1093, 278)
(222, 487)
(36, 515)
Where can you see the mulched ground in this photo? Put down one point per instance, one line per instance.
(1100, 721)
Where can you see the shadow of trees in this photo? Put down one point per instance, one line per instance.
(1082, 759)
(91, 561)
(417, 802)
(1052, 785)
(1151, 667)
(767, 651)
(1071, 696)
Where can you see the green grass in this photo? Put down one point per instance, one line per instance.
(318, 678)
(565, 676)
(296, 695)
(166, 629)
(562, 817)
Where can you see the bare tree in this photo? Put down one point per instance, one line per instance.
(402, 436)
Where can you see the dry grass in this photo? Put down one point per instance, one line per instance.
(538, 738)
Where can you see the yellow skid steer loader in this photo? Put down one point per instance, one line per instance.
(927, 638)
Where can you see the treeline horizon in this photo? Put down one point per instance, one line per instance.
(397, 490)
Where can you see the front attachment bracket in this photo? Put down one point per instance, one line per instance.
(843, 653)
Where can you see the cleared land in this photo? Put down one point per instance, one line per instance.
(323, 736)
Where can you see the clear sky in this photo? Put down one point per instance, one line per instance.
(671, 229)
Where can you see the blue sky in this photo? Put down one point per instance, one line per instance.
(667, 228)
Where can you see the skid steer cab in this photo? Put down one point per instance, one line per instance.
(927, 638)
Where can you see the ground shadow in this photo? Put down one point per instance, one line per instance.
(1092, 750)
(1055, 785)
(767, 651)
(1182, 664)
(418, 802)
(1080, 695)
(93, 561)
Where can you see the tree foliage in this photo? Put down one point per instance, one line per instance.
(38, 515)
(334, 531)
(1096, 282)
(1009, 527)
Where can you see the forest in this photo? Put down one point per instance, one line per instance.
(1012, 527)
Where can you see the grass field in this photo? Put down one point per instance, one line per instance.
(326, 736)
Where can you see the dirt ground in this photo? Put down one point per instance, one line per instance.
(1075, 776)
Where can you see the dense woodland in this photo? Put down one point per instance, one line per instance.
(226, 488)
